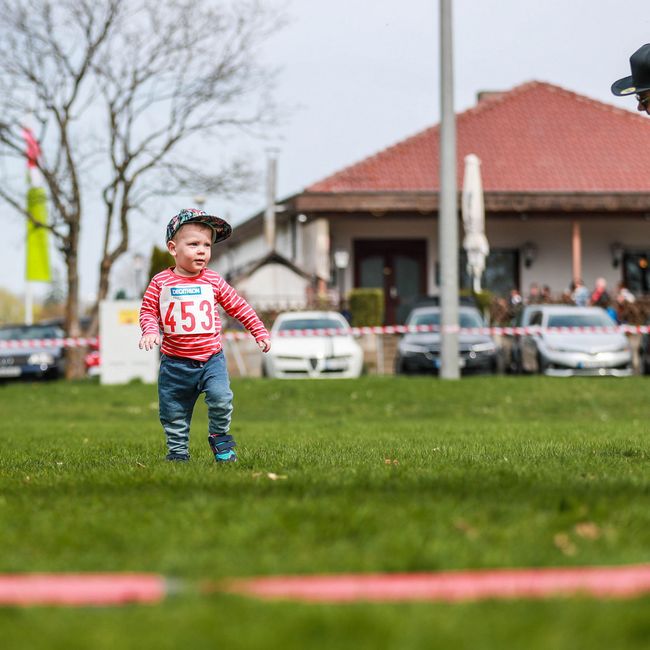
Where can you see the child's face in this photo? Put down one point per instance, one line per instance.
(191, 247)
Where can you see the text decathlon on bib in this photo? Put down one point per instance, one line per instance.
(187, 309)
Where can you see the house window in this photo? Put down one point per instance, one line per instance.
(636, 271)
(501, 271)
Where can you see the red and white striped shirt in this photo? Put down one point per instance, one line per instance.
(185, 311)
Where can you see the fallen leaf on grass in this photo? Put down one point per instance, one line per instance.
(587, 530)
(564, 543)
(271, 475)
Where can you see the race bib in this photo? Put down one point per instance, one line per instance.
(187, 309)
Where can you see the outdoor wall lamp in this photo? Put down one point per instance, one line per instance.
(341, 259)
(529, 253)
(616, 249)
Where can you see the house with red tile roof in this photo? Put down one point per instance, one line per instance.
(566, 193)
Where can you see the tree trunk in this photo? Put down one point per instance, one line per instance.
(75, 357)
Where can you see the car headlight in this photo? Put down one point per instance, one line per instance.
(40, 359)
(484, 347)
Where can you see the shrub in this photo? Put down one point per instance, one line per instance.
(161, 259)
(367, 307)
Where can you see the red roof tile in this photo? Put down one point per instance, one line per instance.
(536, 137)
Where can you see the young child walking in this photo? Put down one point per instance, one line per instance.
(181, 304)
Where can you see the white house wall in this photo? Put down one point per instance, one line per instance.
(552, 236)
(274, 286)
(317, 239)
(553, 264)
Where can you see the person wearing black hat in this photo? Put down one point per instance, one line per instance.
(638, 83)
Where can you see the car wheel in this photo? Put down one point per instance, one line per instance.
(644, 366)
(542, 364)
(514, 364)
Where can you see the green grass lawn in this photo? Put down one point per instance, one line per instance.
(382, 474)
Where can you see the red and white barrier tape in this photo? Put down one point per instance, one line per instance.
(490, 331)
(50, 343)
(356, 331)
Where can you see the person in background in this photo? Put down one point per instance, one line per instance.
(625, 309)
(638, 83)
(515, 303)
(580, 293)
(515, 300)
(623, 294)
(599, 296)
(534, 296)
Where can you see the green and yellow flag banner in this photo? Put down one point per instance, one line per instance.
(38, 255)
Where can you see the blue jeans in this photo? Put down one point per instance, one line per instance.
(180, 383)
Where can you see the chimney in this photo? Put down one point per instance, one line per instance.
(488, 94)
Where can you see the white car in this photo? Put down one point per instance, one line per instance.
(322, 354)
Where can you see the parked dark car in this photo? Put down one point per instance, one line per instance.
(34, 362)
(419, 352)
(92, 358)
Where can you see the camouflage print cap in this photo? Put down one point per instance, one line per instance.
(220, 229)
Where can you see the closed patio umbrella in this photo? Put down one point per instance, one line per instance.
(475, 243)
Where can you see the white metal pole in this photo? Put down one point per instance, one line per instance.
(448, 221)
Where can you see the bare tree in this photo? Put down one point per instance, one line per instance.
(125, 95)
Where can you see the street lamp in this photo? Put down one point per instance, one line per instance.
(341, 261)
(138, 268)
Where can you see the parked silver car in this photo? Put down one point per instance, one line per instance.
(566, 352)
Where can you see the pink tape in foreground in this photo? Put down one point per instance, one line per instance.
(81, 589)
(603, 582)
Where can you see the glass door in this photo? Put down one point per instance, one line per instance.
(397, 267)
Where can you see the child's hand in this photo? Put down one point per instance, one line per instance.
(264, 344)
(148, 341)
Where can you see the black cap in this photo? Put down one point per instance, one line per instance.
(639, 80)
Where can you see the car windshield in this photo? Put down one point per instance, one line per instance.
(466, 319)
(593, 319)
(31, 332)
(310, 324)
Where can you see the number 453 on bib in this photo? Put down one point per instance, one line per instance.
(187, 309)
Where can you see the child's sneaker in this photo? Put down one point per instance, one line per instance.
(223, 448)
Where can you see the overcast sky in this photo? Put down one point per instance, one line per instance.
(363, 74)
